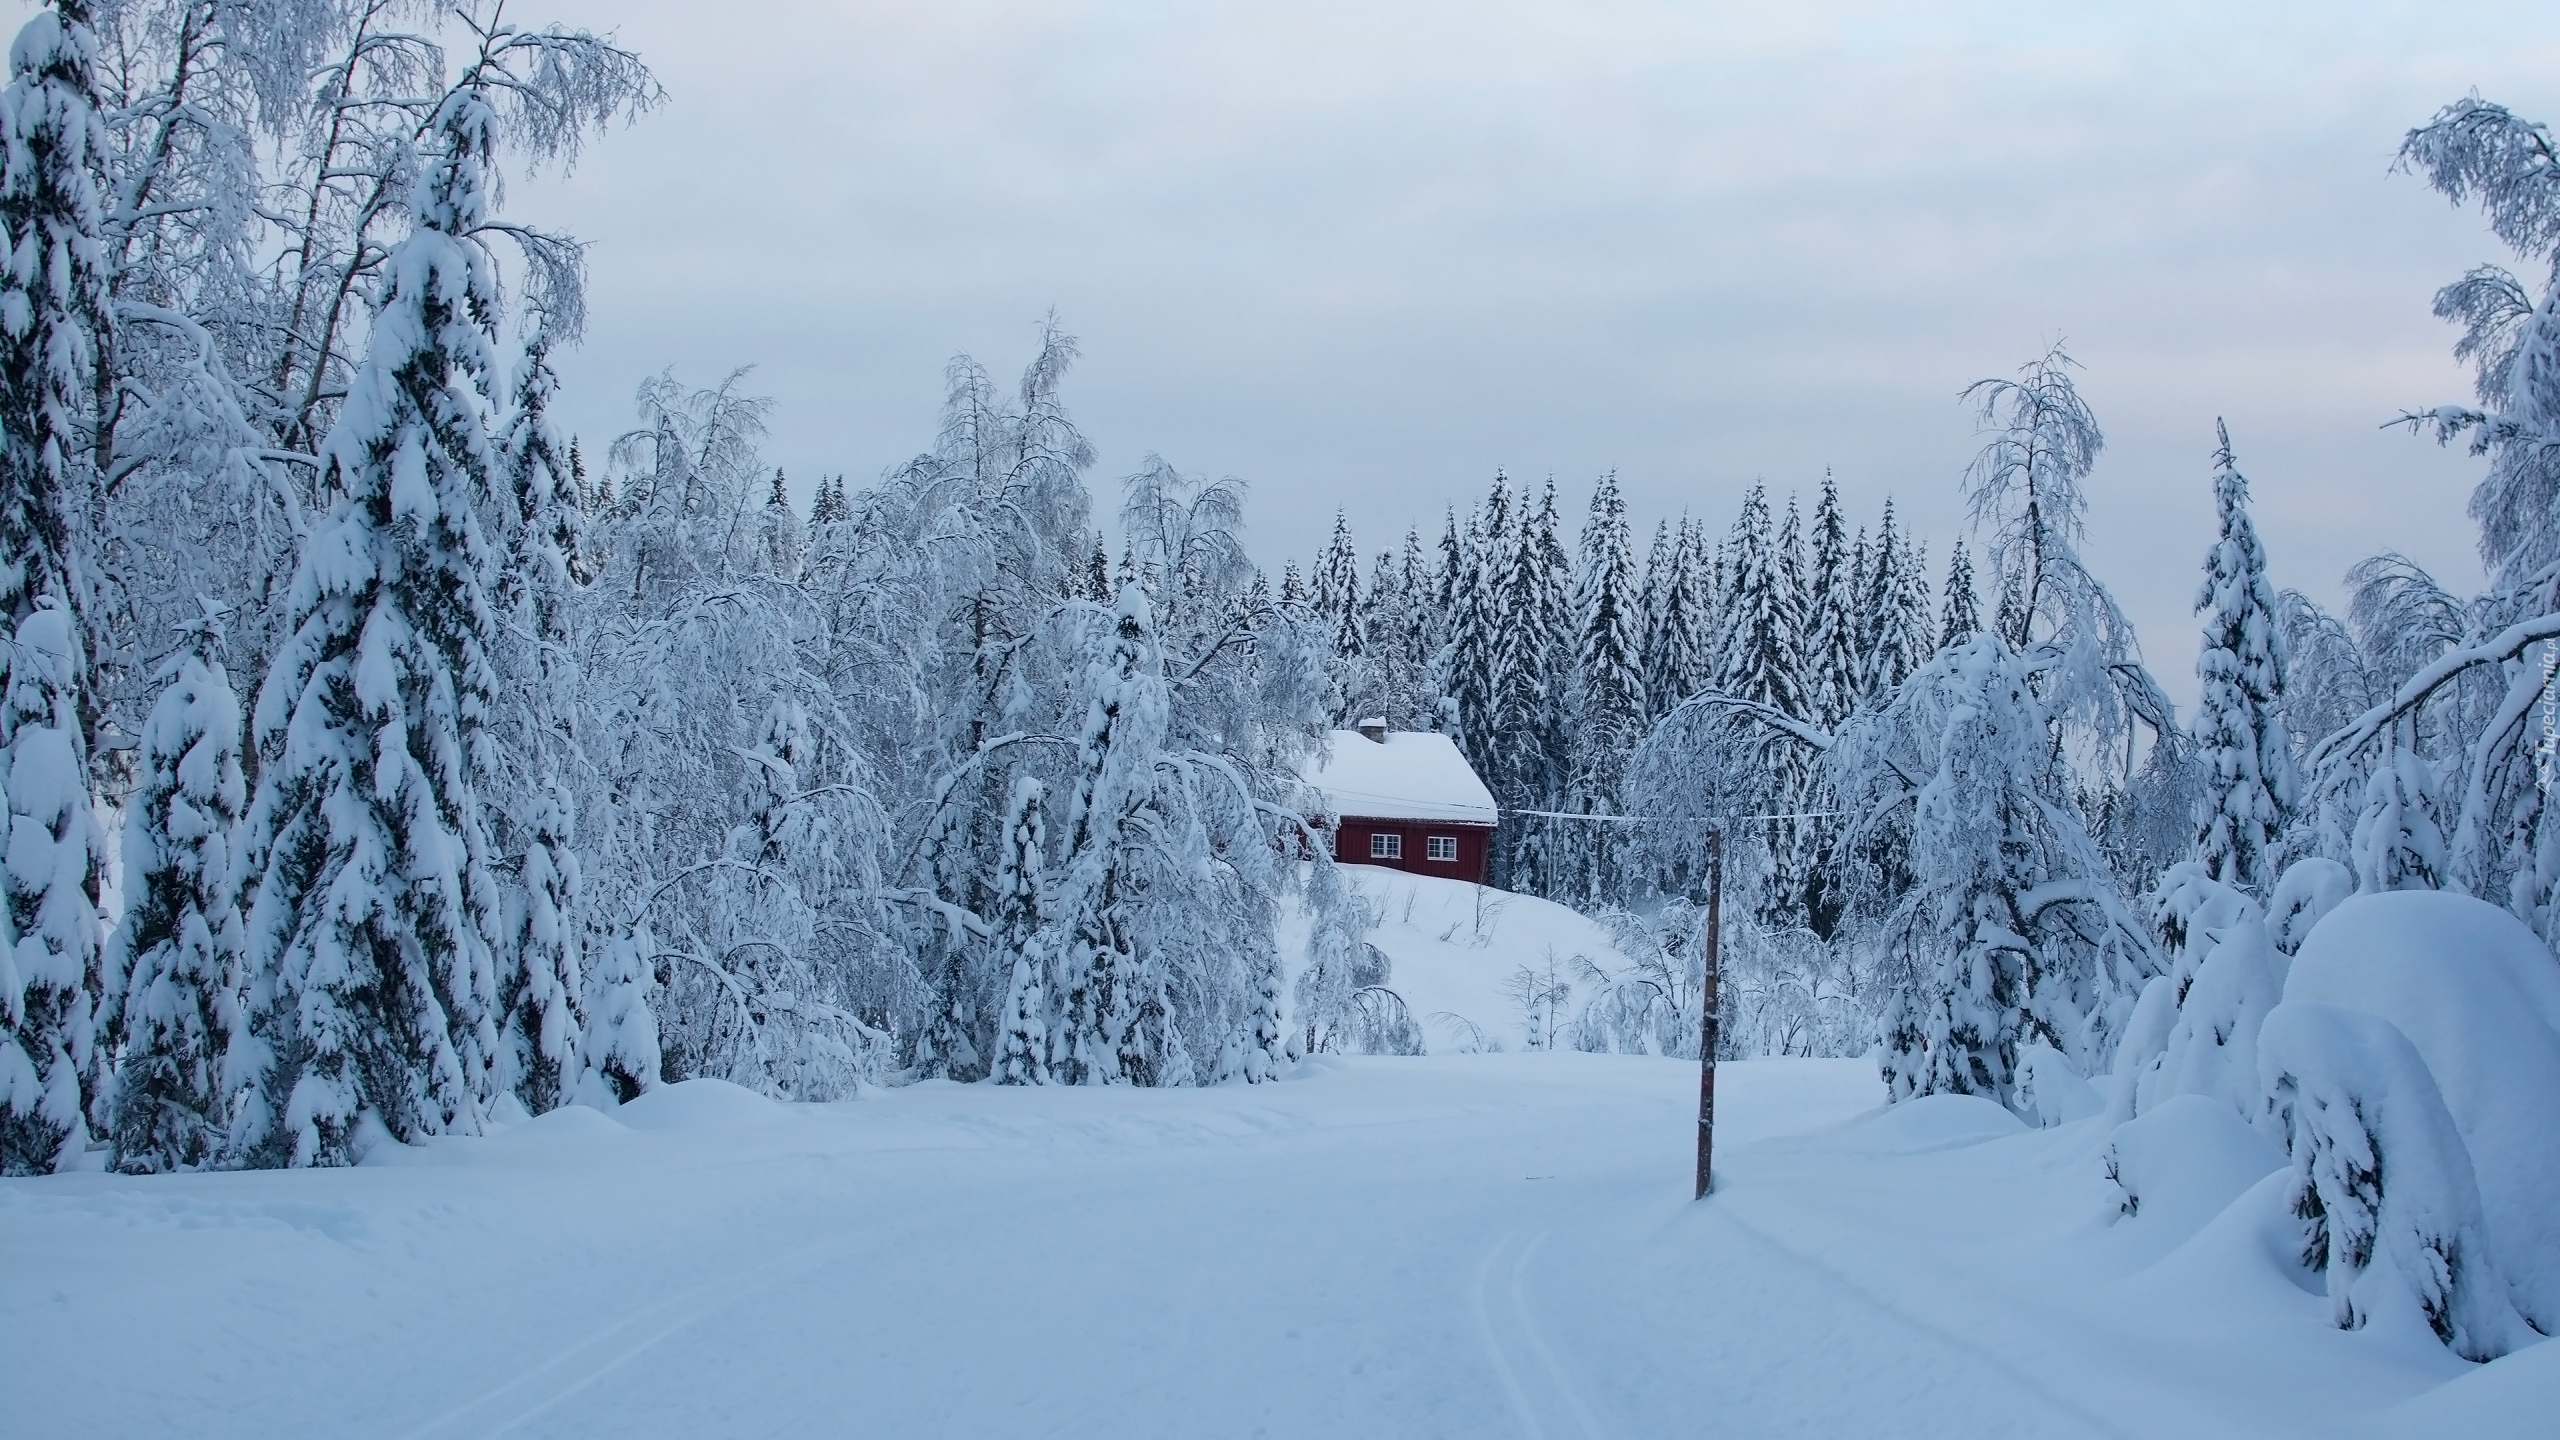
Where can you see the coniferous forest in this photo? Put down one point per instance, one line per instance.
(383, 764)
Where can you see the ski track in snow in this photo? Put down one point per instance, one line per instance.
(504, 1409)
(1936, 1336)
(1509, 1327)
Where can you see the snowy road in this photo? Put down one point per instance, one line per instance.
(1467, 1246)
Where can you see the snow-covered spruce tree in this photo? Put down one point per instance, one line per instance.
(1532, 666)
(1649, 590)
(619, 1058)
(1894, 614)
(1760, 655)
(1911, 591)
(1833, 618)
(1863, 877)
(1022, 1050)
(1607, 711)
(371, 934)
(1449, 573)
(1382, 624)
(179, 941)
(1399, 650)
(2009, 617)
(53, 293)
(2399, 838)
(783, 533)
(1790, 890)
(1834, 672)
(1700, 569)
(1476, 620)
(1857, 581)
(2240, 732)
(1357, 673)
(1757, 663)
(1960, 614)
(1335, 593)
(60, 1002)
(2013, 931)
(828, 505)
(1679, 658)
(1426, 628)
(540, 982)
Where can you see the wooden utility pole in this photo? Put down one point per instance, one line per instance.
(1709, 1028)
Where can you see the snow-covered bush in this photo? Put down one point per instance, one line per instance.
(2407, 1059)
(2476, 997)
(2382, 1181)
(2312, 887)
(2195, 1029)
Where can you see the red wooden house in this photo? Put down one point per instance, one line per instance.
(1406, 800)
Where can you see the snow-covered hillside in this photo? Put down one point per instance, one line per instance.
(1477, 1245)
(1454, 950)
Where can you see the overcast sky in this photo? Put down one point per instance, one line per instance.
(1362, 254)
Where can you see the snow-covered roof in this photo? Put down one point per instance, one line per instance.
(1414, 775)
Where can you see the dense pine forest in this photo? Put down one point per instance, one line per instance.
(382, 764)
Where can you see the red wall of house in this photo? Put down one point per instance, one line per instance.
(1475, 846)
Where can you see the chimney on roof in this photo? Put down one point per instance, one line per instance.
(1374, 728)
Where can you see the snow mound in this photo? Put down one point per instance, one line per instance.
(699, 1105)
(580, 1120)
(2478, 995)
(2185, 1162)
(2507, 1399)
(2238, 1279)
(1316, 1067)
(1930, 1122)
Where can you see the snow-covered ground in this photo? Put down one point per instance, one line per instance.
(1460, 1245)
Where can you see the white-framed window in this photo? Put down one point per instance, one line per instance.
(1385, 846)
(1441, 847)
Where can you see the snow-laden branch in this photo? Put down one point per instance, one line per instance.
(1707, 702)
(2508, 644)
